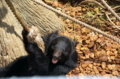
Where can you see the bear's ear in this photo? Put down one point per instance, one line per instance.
(75, 43)
(56, 32)
(53, 35)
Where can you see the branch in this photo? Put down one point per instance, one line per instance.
(110, 9)
(87, 1)
(114, 26)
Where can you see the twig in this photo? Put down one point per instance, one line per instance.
(114, 26)
(77, 21)
(87, 1)
(110, 9)
(116, 7)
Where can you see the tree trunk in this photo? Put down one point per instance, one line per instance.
(11, 46)
(36, 15)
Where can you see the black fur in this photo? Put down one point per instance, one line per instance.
(60, 57)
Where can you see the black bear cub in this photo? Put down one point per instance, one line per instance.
(60, 58)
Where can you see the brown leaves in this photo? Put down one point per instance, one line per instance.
(103, 65)
(103, 58)
(97, 54)
(55, 4)
(91, 44)
(111, 67)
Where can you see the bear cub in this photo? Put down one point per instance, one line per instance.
(59, 58)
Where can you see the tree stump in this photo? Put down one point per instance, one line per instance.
(11, 45)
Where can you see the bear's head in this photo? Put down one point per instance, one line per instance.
(60, 48)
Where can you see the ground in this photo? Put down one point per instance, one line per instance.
(98, 55)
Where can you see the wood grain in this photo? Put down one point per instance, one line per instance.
(11, 46)
(34, 14)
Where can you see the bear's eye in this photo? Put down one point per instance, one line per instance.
(53, 47)
(65, 53)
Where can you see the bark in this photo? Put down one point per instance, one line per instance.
(36, 15)
(11, 45)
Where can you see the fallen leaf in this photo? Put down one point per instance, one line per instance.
(100, 40)
(78, 9)
(115, 73)
(91, 44)
(103, 73)
(83, 9)
(55, 4)
(112, 57)
(88, 62)
(93, 37)
(111, 66)
(72, 14)
(103, 58)
(92, 55)
(103, 65)
(67, 21)
(96, 10)
(85, 30)
(118, 24)
(95, 69)
(84, 65)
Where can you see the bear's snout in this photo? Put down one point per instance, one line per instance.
(56, 56)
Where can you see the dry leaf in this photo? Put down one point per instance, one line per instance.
(115, 73)
(108, 48)
(111, 67)
(72, 14)
(85, 30)
(83, 9)
(100, 40)
(108, 53)
(90, 65)
(112, 57)
(79, 14)
(81, 69)
(55, 4)
(78, 9)
(100, 35)
(95, 69)
(88, 62)
(67, 21)
(118, 23)
(103, 58)
(103, 73)
(60, 5)
(92, 55)
(93, 37)
(84, 65)
(91, 44)
(97, 54)
(87, 41)
(96, 10)
(103, 65)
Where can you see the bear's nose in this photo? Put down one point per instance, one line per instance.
(57, 54)
(55, 57)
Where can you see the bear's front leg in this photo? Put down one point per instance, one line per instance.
(38, 61)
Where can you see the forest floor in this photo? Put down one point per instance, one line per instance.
(98, 55)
